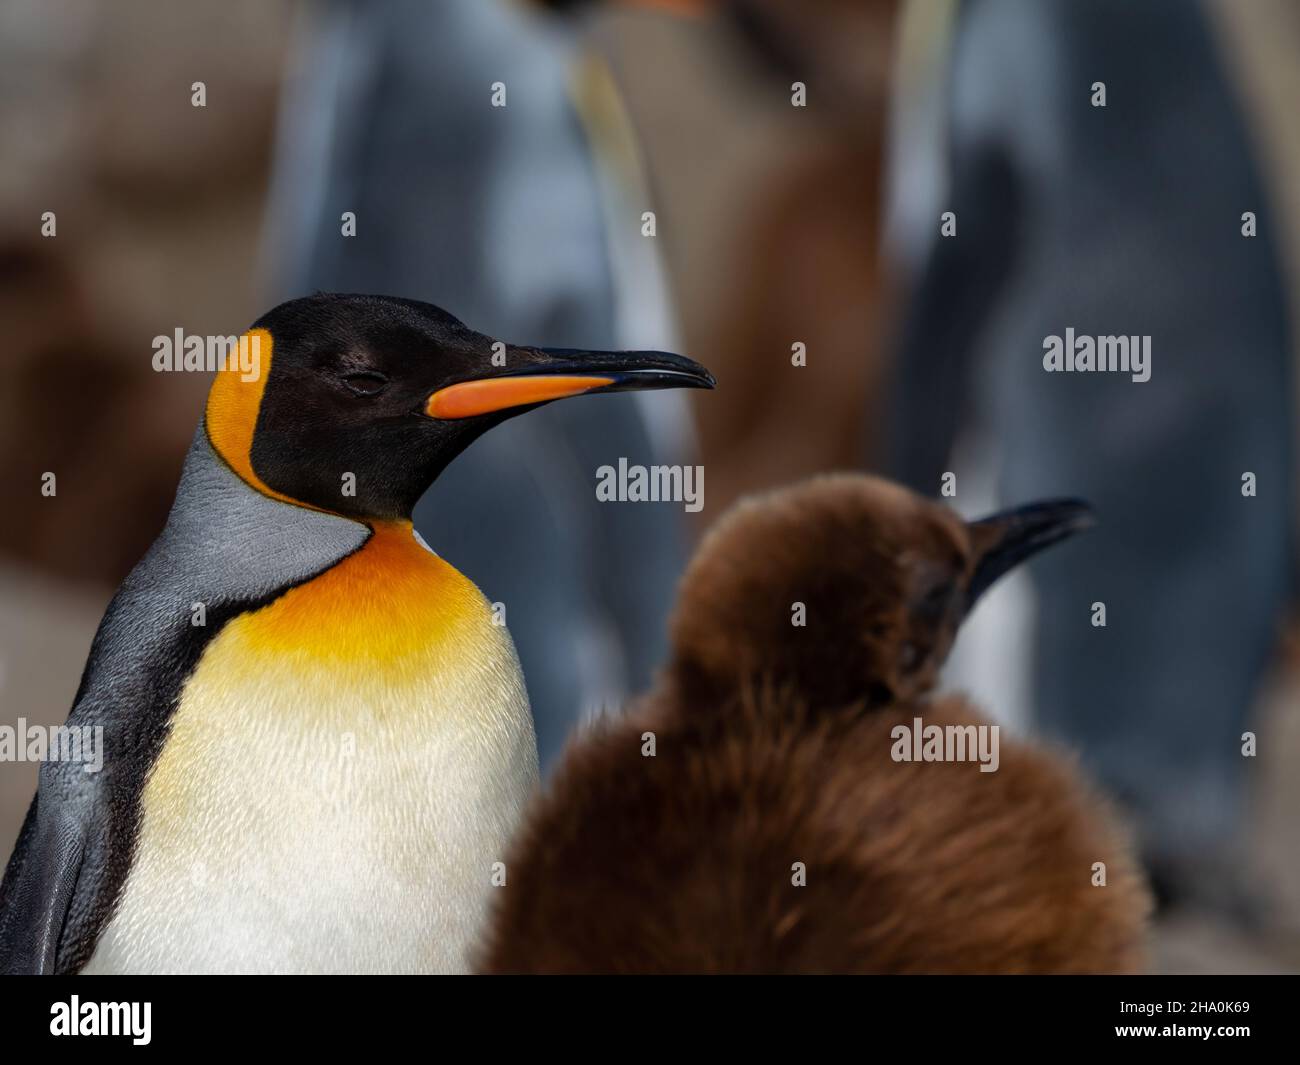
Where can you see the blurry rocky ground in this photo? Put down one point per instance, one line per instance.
(769, 227)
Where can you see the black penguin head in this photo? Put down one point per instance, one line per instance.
(363, 400)
(845, 588)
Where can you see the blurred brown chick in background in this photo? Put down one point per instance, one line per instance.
(774, 750)
(807, 265)
(770, 215)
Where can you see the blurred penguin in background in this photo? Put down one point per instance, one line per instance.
(768, 149)
(1099, 172)
(486, 165)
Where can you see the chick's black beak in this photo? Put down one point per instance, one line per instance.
(540, 375)
(1004, 540)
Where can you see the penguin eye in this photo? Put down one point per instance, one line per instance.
(365, 383)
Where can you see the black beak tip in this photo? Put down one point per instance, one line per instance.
(1045, 522)
(1016, 535)
(630, 370)
(673, 371)
(1074, 515)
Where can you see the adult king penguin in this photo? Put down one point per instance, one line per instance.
(317, 740)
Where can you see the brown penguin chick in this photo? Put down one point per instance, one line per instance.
(752, 814)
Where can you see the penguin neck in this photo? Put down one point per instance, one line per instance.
(391, 600)
(219, 512)
(229, 526)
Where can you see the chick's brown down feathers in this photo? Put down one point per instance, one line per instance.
(772, 830)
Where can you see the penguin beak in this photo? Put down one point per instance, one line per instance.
(546, 374)
(1005, 540)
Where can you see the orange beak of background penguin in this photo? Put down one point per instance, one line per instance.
(572, 373)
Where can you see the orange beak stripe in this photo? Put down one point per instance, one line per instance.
(469, 398)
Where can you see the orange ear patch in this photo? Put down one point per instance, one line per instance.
(231, 416)
(469, 398)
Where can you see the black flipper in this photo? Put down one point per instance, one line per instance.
(37, 892)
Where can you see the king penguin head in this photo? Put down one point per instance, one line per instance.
(845, 587)
(377, 395)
